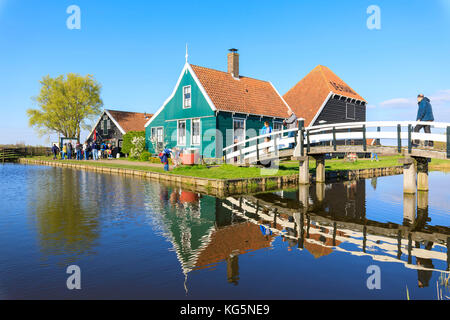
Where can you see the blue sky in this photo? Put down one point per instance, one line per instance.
(136, 49)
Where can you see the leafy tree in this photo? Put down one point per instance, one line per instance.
(138, 147)
(65, 104)
(128, 137)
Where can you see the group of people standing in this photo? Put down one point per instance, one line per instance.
(85, 151)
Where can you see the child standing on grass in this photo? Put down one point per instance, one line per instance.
(64, 151)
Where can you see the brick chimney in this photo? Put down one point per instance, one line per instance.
(233, 63)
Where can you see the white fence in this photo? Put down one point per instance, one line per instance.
(259, 147)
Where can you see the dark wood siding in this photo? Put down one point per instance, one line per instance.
(335, 111)
(112, 133)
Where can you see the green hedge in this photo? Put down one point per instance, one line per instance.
(145, 156)
(126, 144)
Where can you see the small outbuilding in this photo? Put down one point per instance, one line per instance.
(321, 97)
(112, 125)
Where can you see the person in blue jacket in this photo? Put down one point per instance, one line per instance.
(266, 130)
(424, 113)
(164, 156)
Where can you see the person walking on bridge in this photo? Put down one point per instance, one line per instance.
(291, 123)
(424, 113)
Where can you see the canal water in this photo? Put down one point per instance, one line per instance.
(137, 239)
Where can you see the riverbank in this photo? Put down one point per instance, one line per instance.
(233, 180)
(221, 172)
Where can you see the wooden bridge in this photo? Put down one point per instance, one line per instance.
(12, 154)
(350, 137)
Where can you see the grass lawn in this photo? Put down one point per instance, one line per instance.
(233, 172)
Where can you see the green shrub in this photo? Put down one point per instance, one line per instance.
(127, 140)
(145, 156)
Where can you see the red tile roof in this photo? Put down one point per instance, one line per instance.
(307, 96)
(244, 95)
(130, 121)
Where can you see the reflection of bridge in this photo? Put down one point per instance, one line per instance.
(309, 224)
(347, 137)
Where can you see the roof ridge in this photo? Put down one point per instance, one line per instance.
(240, 76)
(324, 77)
(127, 111)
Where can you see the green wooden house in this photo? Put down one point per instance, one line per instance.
(210, 109)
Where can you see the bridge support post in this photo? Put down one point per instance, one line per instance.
(303, 197)
(320, 191)
(409, 208)
(320, 168)
(409, 175)
(303, 177)
(422, 200)
(422, 174)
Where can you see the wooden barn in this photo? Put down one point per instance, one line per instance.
(113, 124)
(323, 98)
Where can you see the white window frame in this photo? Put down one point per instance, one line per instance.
(199, 131)
(281, 127)
(346, 111)
(181, 143)
(155, 133)
(245, 128)
(185, 106)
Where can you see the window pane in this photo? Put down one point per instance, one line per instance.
(182, 132)
(277, 126)
(160, 135)
(351, 111)
(239, 132)
(195, 131)
(187, 97)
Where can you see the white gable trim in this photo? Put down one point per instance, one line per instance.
(202, 89)
(100, 118)
(321, 108)
(187, 67)
(115, 122)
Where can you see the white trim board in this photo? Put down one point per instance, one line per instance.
(187, 67)
(100, 118)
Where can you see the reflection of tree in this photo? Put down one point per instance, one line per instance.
(373, 182)
(67, 222)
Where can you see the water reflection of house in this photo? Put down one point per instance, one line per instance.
(227, 243)
(319, 244)
(203, 232)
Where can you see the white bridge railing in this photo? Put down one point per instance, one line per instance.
(259, 147)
